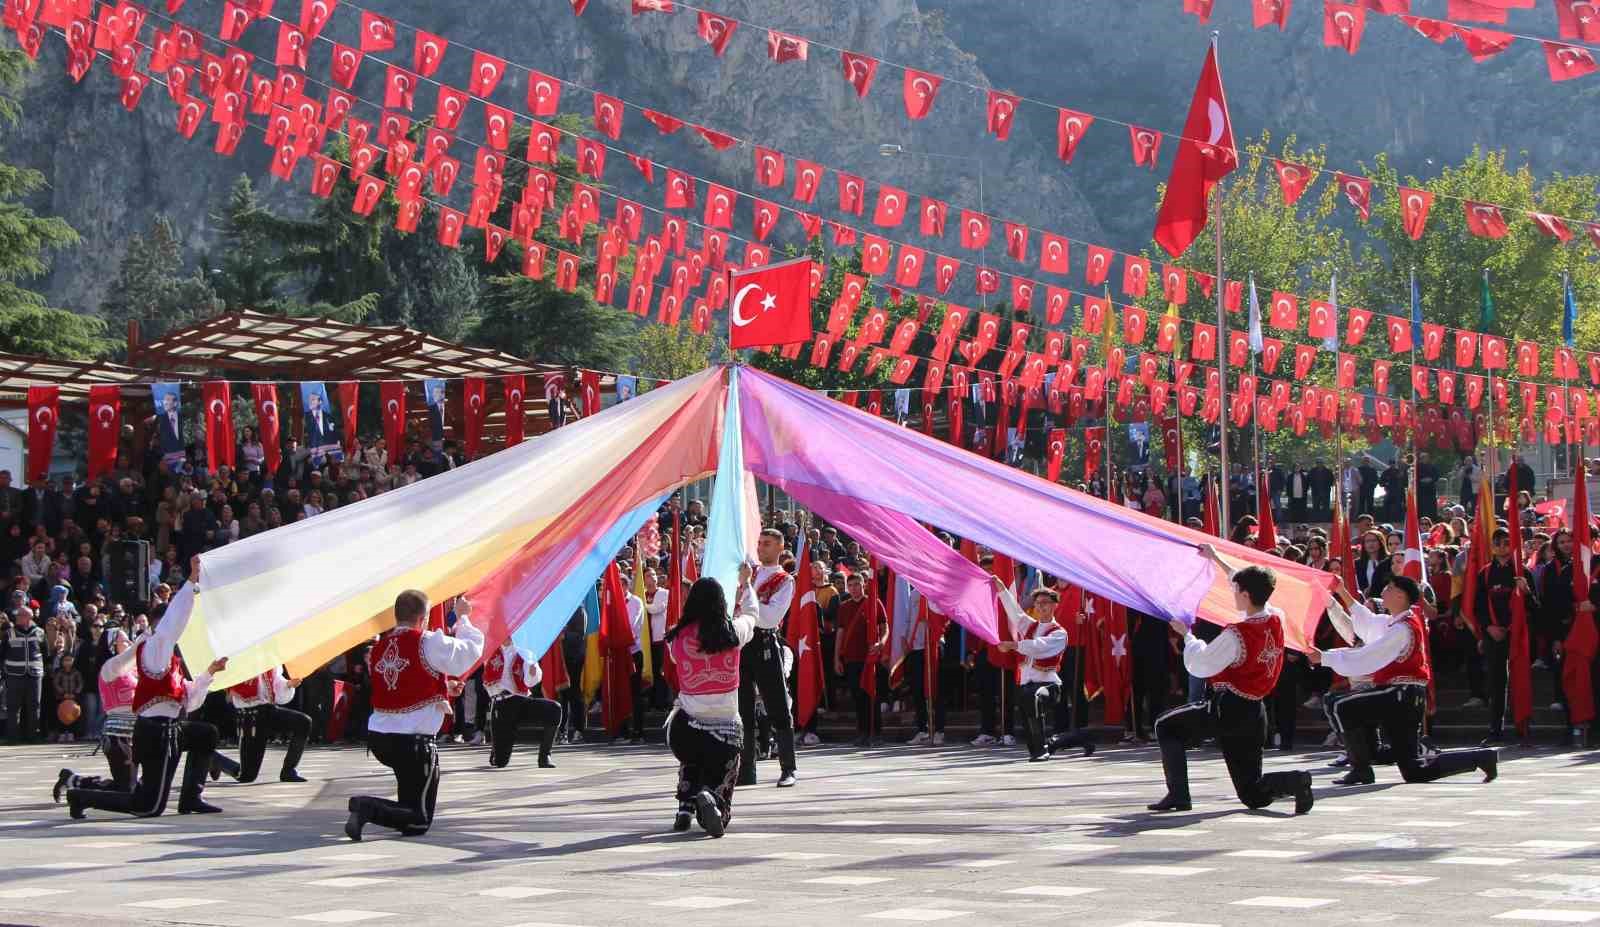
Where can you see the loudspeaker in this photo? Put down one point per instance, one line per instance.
(128, 579)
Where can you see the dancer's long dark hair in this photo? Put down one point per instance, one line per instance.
(706, 610)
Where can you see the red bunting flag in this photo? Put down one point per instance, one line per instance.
(1485, 220)
(1343, 24)
(105, 429)
(44, 420)
(1414, 207)
(1292, 179)
(474, 409)
(716, 31)
(921, 89)
(377, 32)
(1055, 452)
(1002, 113)
(349, 408)
(1146, 144)
(1566, 62)
(783, 47)
(392, 399)
(268, 424)
(515, 388)
(1271, 13)
(1070, 127)
(544, 94)
(1358, 190)
(859, 70)
(771, 306)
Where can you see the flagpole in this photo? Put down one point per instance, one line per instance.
(1222, 361)
(1416, 413)
(1177, 439)
(1494, 452)
(1110, 403)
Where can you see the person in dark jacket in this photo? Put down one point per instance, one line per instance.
(1495, 583)
(1373, 567)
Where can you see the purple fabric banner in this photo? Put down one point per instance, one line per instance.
(794, 437)
(955, 586)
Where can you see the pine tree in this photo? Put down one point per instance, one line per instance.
(151, 287)
(27, 240)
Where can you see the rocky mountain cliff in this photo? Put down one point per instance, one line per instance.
(110, 171)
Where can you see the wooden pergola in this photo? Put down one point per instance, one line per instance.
(19, 372)
(257, 347)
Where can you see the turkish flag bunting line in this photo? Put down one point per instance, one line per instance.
(771, 305)
(44, 419)
(218, 401)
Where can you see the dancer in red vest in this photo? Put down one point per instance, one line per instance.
(408, 667)
(1242, 665)
(1394, 652)
(704, 731)
(118, 682)
(512, 677)
(761, 663)
(259, 703)
(1042, 644)
(159, 737)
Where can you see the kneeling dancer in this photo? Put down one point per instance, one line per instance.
(703, 730)
(159, 737)
(118, 681)
(512, 677)
(1394, 652)
(259, 703)
(1242, 664)
(408, 667)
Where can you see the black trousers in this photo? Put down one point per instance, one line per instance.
(510, 711)
(415, 763)
(917, 676)
(257, 726)
(761, 669)
(1495, 668)
(1240, 727)
(637, 689)
(995, 686)
(1039, 701)
(660, 694)
(119, 759)
(23, 696)
(1398, 711)
(157, 745)
(705, 761)
(574, 711)
(1150, 683)
(1286, 700)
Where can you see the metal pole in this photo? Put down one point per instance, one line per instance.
(1222, 369)
(1494, 453)
(983, 209)
(1177, 432)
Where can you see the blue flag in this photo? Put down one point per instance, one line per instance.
(725, 530)
(1570, 314)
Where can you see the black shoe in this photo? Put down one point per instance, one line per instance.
(1355, 777)
(1088, 748)
(63, 782)
(863, 741)
(544, 763)
(1491, 767)
(787, 780)
(1171, 804)
(1303, 797)
(291, 776)
(1040, 757)
(1492, 740)
(353, 824)
(216, 767)
(197, 806)
(1341, 762)
(74, 806)
(708, 814)
(680, 821)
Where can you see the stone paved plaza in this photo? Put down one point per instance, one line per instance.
(890, 835)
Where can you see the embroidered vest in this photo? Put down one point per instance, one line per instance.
(252, 692)
(1254, 674)
(768, 589)
(1411, 667)
(117, 694)
(160, 689)
(402, 680)
(494, 673)
(1040, 629)
(702, 673)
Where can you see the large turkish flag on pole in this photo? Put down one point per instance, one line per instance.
(771, 305)
(1205, 156)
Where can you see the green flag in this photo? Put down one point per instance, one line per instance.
(1485, 305)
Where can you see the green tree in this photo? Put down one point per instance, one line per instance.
(670, 351)
(151, 287)
(27, 243)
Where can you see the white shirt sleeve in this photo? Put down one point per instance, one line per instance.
(1039, 648)
(453, 656)
(117, 666)
(282, 692)
(532, 672)
(1013, 610)
(772, 613)
(657, 607)
(1368, 625)
(1374, 654)
(744, 621)
(1207, 660)
(194, 693)
(164, 638)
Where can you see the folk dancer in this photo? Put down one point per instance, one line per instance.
(704, 730)
(118, 681)
(1042, 644)
(761, 663)
(1242, 664)
(512, 678)
(1394, 652)
(408, 666)
(159, 737)
(259, 703)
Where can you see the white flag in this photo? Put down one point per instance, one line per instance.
(1255, 318)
